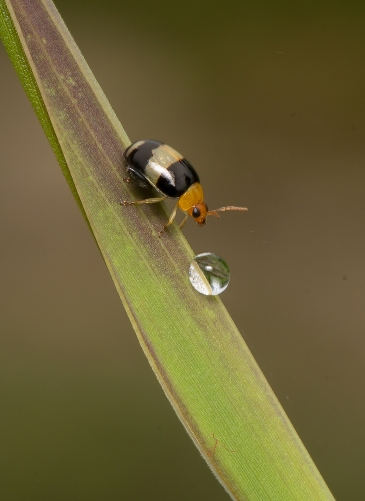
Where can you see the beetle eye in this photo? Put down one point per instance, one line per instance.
(196, 212)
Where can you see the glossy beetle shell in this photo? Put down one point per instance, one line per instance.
(163, 167)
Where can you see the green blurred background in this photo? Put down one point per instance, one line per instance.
(266, 100)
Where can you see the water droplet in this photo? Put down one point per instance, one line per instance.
(209, 274)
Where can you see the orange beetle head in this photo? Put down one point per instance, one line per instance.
(192, 202)
(199, 213)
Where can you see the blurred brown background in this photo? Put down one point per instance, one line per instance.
(266, 99)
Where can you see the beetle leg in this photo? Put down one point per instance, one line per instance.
(183, 221)
(145, 201)
(171, 218)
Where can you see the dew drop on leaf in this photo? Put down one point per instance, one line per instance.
(209, 274)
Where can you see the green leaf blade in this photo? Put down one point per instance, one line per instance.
(199, 357)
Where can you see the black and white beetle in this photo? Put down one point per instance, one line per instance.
(153, 163)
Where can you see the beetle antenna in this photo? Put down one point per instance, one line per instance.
(223, 209)
(213, 213)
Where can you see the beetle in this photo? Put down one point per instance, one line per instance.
(157, 164)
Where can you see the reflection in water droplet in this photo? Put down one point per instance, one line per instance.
(209, 274)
